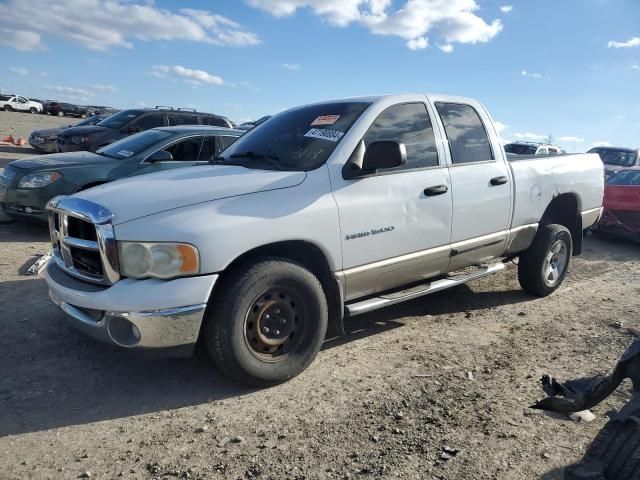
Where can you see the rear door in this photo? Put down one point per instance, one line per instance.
(396, 223)
(480, 185)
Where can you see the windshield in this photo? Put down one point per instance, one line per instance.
(518, 149)
(301, 139)
(628, 177)
(90, 121)
(134, 144)
(118, 120)
(620, 158)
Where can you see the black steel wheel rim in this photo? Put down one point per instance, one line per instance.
(275, 324)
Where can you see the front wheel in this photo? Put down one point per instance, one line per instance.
(33, 110)
(266, 322)
(61, 113)
(544, 265)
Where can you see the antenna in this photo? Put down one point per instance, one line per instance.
(204, 136)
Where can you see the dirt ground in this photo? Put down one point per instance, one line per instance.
(18, 124)
(381, 402)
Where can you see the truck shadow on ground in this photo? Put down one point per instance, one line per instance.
(53, 376)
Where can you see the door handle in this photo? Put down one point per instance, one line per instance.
(435, 190)
(498, 181)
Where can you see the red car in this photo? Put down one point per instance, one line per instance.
(621, 214)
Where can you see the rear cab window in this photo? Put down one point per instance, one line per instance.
(407, 123)
(468, 138)
(629, 178)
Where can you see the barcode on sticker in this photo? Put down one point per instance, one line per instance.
(324, 134)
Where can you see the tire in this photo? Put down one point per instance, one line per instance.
(33, 110)
(244, 333)
(614, 454)
(536, 272)
(83, 115)
(61, 113)
(7, 108)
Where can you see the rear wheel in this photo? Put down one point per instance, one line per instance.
(7, 108)
(266, 322)
(83, 115)
(61, 113)
(542, 268)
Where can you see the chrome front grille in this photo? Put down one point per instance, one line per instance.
(83, 242)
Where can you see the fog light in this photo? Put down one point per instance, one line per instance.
(123, 332)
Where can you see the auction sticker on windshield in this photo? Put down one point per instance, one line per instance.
(324, 134)
(124, 153)
(325, 120)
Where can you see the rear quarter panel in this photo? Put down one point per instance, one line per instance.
(539, 180)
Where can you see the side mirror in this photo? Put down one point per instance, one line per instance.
(160, 156)
(383, 154)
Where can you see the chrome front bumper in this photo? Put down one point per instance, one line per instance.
(99, 312)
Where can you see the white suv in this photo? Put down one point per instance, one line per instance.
(17, 103)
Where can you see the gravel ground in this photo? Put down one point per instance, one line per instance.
(381, 402)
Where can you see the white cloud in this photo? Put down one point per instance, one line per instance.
(448, 48)
(632, 42)
(21, 40)
(635, 67)
(19, 70)
(601, 143)
(506, 8)
(453, 21)
(500, 127)
(104, 24)
(72, 94)
(189, 75)
(419, 43)
(525, 73)
(530, 136)
(103, 88)
(571, 139)
(292, 66)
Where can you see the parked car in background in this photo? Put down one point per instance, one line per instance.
(46, 140)
(253, 124)
(68, 109)
(532, 148)
(621, 215)
(616, 158)
(128, 122)
(27, 185)
(16, 103)
(324, 211)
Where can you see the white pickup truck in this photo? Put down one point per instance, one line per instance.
(17, 103)
(322, 212)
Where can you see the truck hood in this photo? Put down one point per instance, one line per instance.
(59, 160)
(139, 196)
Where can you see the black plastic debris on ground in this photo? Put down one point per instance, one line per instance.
(615, 452)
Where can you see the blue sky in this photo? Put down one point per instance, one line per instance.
(569, 68)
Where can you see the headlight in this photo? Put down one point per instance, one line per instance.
(158, 260)
(79, 140)
(37, 180)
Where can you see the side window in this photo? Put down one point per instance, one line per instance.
(177, 119)
(224, 142)
(542, 151)
(186, 150)
(468, 139)
(208, 150)
(214, 121)
(149, 121)
(408, 123)
(22, 100)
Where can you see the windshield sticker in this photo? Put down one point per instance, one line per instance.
(325, 120)
(324, 134)
(124, 153)
(131, 115)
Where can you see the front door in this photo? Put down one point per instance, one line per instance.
(396, 224)
(481, 187)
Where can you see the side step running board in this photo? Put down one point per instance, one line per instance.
(385, 300)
